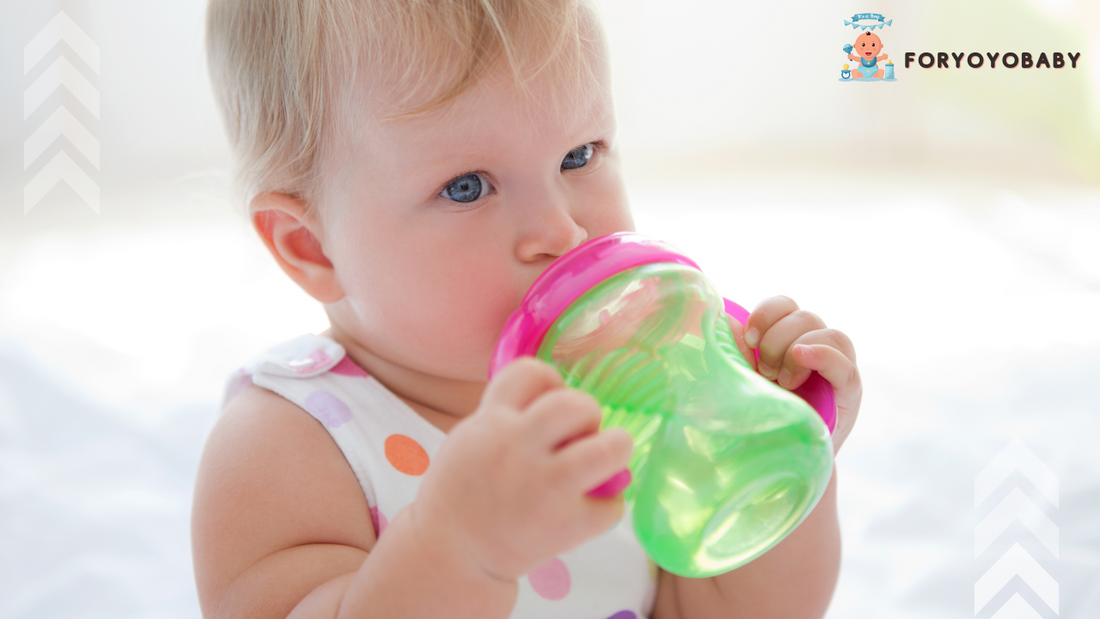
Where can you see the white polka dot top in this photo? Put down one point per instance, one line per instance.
(390, 446)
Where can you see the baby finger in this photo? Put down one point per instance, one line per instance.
(588, 462)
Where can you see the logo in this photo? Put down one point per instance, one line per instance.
(870, 62)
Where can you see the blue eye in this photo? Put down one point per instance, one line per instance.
(577, 158)
(466, 188)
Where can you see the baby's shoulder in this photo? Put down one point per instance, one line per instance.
(260, 427)
(271, 445)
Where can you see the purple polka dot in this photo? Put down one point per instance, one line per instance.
(551, 580)
(624, 614)
(347, 367)
(379, 520)
(327, 408)
(242, 381)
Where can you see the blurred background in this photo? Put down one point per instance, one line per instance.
(948, 222)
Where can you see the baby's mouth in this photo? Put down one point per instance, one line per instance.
(868, 53)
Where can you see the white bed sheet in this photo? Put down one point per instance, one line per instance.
(973, 327)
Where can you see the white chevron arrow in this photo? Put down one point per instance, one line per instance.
(1016, 506)
(61, 123)
(1016, 456)
(61, 73)
(1016, 608)
(1016, 562)
(60, 168)
(60, 28)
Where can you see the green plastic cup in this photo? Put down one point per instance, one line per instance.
(726, 463)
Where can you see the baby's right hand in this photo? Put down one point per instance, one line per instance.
(500, 491)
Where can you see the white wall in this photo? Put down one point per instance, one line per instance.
(704, 89)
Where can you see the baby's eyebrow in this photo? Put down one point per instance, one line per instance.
(595, 118)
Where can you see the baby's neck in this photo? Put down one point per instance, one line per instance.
(443, 402)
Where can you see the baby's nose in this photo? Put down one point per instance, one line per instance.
(551, 231)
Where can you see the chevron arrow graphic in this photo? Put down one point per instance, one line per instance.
(61, 168)
(1016, 506)
(1016, 608)
(61, 123)
(1016, 456)
(1016, 562)
(61, 28)
(61, 73)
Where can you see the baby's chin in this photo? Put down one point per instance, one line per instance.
(461, 362)
(462, 370)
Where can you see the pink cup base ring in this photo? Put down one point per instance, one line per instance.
(614, 485)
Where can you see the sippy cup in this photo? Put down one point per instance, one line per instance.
(725, 463)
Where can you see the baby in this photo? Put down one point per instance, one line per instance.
(414, 166)
(867, 48)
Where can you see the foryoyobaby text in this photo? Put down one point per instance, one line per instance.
(975, 60)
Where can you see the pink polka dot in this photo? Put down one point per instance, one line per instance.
(319, 357)
(379, 520)
(329, 409)
(551, 580)
(347, 367)
(624, 614)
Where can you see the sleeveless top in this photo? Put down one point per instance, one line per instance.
(390, 446)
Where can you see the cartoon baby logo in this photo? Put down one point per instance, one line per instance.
(874, 64)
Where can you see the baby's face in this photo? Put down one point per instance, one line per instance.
(438, 225)
(868, 45)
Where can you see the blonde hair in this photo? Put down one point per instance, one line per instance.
(279, 67)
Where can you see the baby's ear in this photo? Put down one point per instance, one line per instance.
(293, 236)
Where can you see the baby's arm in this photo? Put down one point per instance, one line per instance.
(281, 528)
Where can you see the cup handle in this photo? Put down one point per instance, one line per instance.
(614, 485)
(816, 391)
(610, 487)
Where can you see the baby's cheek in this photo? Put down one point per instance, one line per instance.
(480, 302)
(459, 317)
(437, 297)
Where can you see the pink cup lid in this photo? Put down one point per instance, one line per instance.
(567, 279)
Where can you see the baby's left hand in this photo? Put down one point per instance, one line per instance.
(792, 342)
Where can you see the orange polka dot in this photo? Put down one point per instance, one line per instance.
(406, 455)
